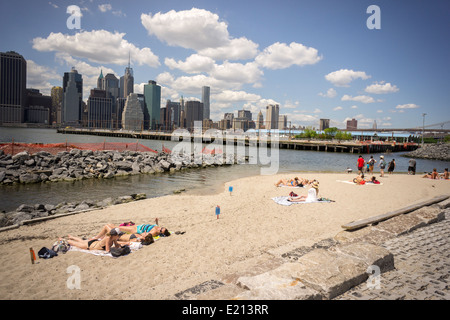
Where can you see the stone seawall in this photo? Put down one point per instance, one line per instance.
(438, 151)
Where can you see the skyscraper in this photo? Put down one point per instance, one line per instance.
(72, 106)
(205, 101)
(99, 109)
(260, 121)
(152, 98)
(352, 124)
(127, 81)
(57, 97)
(132, 115)
(272, 113)
(324, 124)
(13, 81)
(193, 111)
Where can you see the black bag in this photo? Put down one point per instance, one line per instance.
(117, 252)
(46, 253)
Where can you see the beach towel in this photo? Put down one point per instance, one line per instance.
(290, 186)
(285, 202)
(365, 184)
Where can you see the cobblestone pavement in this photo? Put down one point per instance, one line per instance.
(422, 268)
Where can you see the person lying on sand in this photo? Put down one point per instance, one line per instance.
(313, 193)
(110, 239)
(445, 174)
(296, 182)
(141, 229)
(359, 179)
(125, 238)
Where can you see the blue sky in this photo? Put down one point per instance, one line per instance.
(316, 59)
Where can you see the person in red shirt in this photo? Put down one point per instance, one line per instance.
(360, 163)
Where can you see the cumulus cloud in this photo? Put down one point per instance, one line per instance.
(363, 99)
(381, 88)
(200, 30)
(237, 72)
(39, 77)
(104, 7)
(281, 56)
(407, 106)
(235, 96)
(98, 46)
(194, 64)
(342, 77)
(331, 93)
(337, 108)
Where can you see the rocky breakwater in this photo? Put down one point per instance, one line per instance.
(86, 164)
(438, 151)
(26, 214)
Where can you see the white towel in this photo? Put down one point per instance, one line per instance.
(285, 202)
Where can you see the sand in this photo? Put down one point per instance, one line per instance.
(250, 228)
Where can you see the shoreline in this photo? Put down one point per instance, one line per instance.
(250, 228)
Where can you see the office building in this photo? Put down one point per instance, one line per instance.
(246, 114)
(127, 81)
(38, 107)
(173, 114)
(352, 124)
(260, 121)
(99, 110)
(193, 111)
(57, 97)
(205, 101)
(72, 104)
(272, 116)
(13, 80)
(132, 115)
(152, 98)
(324, 124)
(282, 122)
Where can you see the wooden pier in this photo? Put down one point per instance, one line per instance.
(360, 147)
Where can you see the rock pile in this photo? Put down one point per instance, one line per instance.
(85, 164)
(438, 151)
(28, 212)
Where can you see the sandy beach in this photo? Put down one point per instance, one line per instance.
(250, 226)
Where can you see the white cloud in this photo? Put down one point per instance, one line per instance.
(363, 99)
(342, 77)
(104, 7)
(39, 77)
(354, 107)
(235, 96)
(193, 64)
(281, 56)
(237, 72)
(338, 108)
(98, 46)
(53, 5)
(407, 106)
(331, 93)
(381, 88)
(199, 30)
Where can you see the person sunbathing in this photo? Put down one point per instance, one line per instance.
(313, 193)
(296, 182)
(109, 240)
(445, 175)
(128, 238)
(141, 231)
(374, 180)
(359, 179)
(432, 175)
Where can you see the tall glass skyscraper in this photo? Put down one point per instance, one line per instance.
(72, 104)
(205, 101)
(13, 82)
(152, 98)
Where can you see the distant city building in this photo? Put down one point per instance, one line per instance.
(205, 101)
(246, 114)
(57, 97)
(38, 107)
(240, 124)
(352, 124)
(100, 81)
(374, 127)
(152, 98)
(132, 115)
(272, 114)
(100, 110)
(127, 81)
(173, 114)
(260, 121)
(324, 124)
(13, 80)
(193, 111)
(72, 106)
(282, 122)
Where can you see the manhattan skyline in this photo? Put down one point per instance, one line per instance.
(315, 59)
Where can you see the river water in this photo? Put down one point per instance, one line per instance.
(195, 181)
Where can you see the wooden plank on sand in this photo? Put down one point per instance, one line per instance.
(364, 222)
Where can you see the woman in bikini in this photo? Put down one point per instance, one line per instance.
(140, 231)
(110, 239)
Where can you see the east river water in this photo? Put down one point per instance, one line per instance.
(194, 181)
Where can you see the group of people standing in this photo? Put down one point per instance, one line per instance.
(368, 166)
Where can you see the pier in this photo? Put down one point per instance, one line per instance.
(360, 147)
